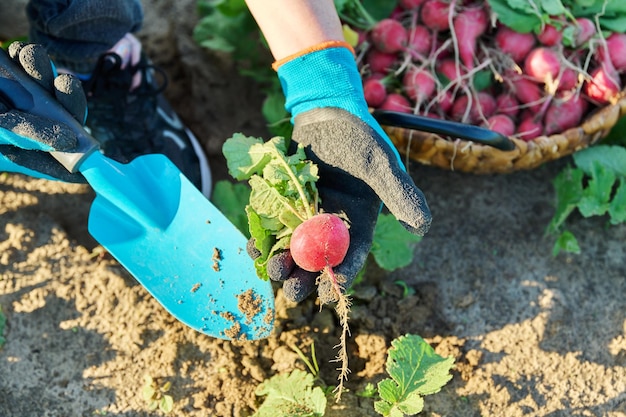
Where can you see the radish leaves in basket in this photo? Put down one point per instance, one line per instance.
(531, 16)
(595, 186)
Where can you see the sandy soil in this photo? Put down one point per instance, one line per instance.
(532, 335)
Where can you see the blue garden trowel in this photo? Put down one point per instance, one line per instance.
(179, 246)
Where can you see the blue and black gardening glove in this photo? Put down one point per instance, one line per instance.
(27, 139)
(359, 166)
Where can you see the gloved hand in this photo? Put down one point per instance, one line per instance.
(358, 164)
(27, 139)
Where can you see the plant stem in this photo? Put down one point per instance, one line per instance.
(296, 183)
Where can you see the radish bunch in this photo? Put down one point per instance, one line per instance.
(452, 59)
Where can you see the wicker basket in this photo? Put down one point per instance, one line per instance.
(466, 156)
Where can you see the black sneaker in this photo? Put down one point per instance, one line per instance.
(131, 118)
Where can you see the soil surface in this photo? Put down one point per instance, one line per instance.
(532, 334)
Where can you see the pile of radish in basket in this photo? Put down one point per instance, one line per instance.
(520, 67)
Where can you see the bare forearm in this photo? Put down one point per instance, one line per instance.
(291, 26)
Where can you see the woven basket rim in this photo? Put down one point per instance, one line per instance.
(471, 157)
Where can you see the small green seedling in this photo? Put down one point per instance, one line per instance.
(291, 395)
(415, 370)
(156, 396)
(312, 364)
(368, 391)
(406, 290)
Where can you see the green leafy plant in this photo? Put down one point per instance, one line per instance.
(594, 186)
(415, 370)
(291, 394)
(311, 364)
(156, 396)
(368, 391)
(227, 26)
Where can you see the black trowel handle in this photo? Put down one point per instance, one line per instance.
(25, 94)
(445, 128)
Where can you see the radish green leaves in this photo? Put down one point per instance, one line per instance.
(283, 192)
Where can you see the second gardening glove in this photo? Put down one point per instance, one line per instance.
(358, 165)
(26, 139)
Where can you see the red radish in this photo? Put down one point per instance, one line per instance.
(388, 35)
(564, 114)
(396, 102)
(507, 104)
(319, 242)
(550, 36)
(379, 61)
(585, 29)
(397, 13)
(603, 86)
(529, 128)
(449, 69)
(616, 45)
(568, 80)
(446, 101)
(502, 124)
(420, 41)
(411, 4)
(469, 25)
(542, 64)
(517, 45)
(483, 105)
(528, 92)
(442, 48)
(435, 14)
(374, 91)
(419, 84)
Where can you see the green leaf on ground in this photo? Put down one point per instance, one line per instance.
(291, 395)
(566, 243)
(415, 370)
(392, 246)
(595, 186)
(596, 196)
(611, 157)
(569, 190)
(617, 207)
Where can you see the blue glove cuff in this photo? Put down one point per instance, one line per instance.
(327, 78)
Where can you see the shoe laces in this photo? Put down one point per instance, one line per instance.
(126, 114)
